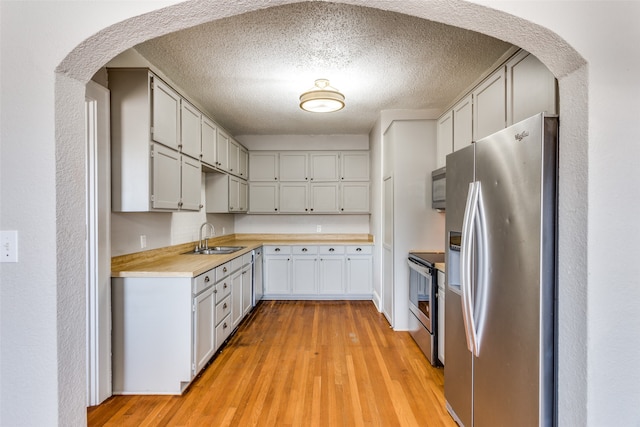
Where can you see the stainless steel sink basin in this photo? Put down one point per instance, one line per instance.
(216, 250)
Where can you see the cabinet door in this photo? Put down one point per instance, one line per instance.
(277, 275)
(243, 163)
(234, 194)
(355, 166)
(304, 275)
(293, 167)
(204, 339)
(209, 133)
(222, 150)
(247, 282)
(191, 184)
(293, 197)
(263, 197)
(359, 275)
(531, 88)
(354, 197)
(166, 178)
(489, 105)
(331, 274)
(236, 299)
(263, 167)
(165, 114)
(190, 130)
(445, 139)
(243, 200)
(441, 309)
(324, 198)
(463, 123)
(234, 157)
(324, 166)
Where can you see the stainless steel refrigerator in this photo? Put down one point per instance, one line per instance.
(500, 287)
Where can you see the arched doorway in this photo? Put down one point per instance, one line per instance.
(79, 66)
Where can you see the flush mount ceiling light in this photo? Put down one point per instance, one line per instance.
(322, 98)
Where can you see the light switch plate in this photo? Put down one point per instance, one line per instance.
(9, 246)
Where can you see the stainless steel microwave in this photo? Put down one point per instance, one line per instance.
(438, 189)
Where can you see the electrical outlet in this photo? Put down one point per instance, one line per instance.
(143, 241)
(224, 231)
(318, 229)
(9, 246)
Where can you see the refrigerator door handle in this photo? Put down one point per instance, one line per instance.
(479, 303)
(466, 265)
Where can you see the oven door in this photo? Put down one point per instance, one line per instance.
(421, 296)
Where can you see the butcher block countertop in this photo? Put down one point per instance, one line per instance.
(173, 262)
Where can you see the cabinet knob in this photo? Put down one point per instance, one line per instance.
(304, 249)
(225, 286)
(331, 250)
(359, 250)
(277, 249)
(201, 206)
(215, 291)
(224, 325)
(342, 209)
(224, 305)
(206, 279)
(275, 177)
(276, 209)
(311, 209)
(224, 269)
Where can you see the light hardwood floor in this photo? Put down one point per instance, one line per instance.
(301, 363)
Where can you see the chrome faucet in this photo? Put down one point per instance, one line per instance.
(206, 240)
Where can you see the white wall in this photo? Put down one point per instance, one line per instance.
(41, 185)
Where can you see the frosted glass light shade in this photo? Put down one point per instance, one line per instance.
(322, 98)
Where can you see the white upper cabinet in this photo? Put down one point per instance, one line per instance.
(225, 194)
(165, 114)
(354, 197)
(264, 197)
(209, 134)
(191, 132)
(531, 88)
(263, 166)
(355, 166)
(324, 197)
(234, 157)
(293, 166)
(489, 105)
(190, 184)
(324, 166)
(462, 123)
(445, 138)
(293, 197)
(222, 150)
(165, 192)
(243, 163)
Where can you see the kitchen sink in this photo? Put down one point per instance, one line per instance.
(216, 250)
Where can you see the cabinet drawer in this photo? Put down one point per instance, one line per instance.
(331, 250)
(222, 290)
(223, 330)
(203, 281)
(223, 271)
(277, 250)
(304, 250)
(223, 309)
(359, 250)
(246, 258)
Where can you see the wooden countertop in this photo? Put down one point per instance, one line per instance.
(440, 266)
(173, 262)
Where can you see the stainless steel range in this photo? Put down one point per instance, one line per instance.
(423, 288)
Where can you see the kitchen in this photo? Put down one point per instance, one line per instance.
(40, 173)
(412, 223)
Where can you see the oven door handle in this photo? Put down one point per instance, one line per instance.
(425, 271)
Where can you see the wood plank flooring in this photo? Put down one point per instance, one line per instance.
(301, 363)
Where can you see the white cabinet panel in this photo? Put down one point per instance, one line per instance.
(293, 197)
(225, 193)
(243, 163)
(324, 198)
(264, 197)
(355, 166)
(191, 184)
(247, 283)
(331, 275)
(293, 167)
(190, 130)
(359, 274)
(236, 299)
(463, 123)
(304, 277)
(263, 166)
(355, 197)
(165, 114)
(531, 88)
(234, 158)
(222, 150)
(166, 178)
(209, 134)
(489, 105)
(324, 166)
(204, 328)
(445, 139)
(277, 275)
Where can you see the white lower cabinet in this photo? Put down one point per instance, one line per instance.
(166, 329)
(318, 272)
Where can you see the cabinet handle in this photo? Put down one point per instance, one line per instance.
(244, 272)
(359, 250)
(201, 206)
(206, 279)
(276, 209)
(224, 325)
(305, 209)
(304, 249)
(225, 286)
(215, 291)
(277, 249)
(224, 305)
(224, 269)
(331, 249)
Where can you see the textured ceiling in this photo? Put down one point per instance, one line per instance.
(248, 71)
